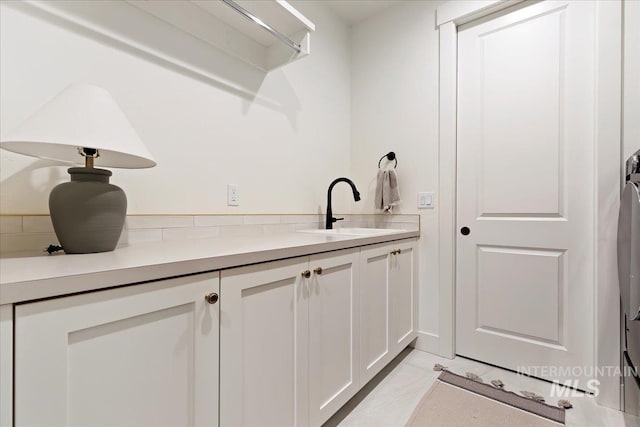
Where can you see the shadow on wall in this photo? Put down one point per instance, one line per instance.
(124, 27)
(279, 89)
(33, 182)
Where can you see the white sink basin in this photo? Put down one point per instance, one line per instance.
(347, 231)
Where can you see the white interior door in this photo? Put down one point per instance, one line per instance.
(525, 271)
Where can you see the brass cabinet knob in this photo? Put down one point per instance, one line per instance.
(306, 274)
(318, 270)
(212, 298)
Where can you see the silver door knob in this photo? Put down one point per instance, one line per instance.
(306, 274)
(317, 270)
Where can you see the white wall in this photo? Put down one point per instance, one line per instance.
(394, 107)
(631, 129)
(283, 146)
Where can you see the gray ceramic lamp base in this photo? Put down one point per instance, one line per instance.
(88, 213)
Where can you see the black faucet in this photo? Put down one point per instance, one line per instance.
(356, 197)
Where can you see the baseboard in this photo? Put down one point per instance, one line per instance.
(427, 342)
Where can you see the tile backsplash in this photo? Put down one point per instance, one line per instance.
(24, 233)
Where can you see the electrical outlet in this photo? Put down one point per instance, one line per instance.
(426, 200)
(233, 195)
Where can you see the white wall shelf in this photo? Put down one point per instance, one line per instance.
(183, 31)
(219, 25)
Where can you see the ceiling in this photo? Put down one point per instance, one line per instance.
(354, 11)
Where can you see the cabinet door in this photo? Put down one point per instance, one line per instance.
(388, 303)
(144, 355)
(264, 345)
(375, 348)
(403, 264)
(333, 333)
(6, 365)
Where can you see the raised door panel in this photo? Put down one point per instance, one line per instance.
(264, 345)
(141, 355)
(521, 172)
(333, 333)
(402, 296)
(375, 347)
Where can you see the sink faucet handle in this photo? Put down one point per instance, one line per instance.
(336, 219)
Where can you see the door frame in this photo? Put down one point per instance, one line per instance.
(607, 164)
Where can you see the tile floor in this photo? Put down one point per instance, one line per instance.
(390, 398)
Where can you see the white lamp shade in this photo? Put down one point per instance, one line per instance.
(80, 116)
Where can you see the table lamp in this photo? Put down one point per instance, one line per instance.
(83, 124)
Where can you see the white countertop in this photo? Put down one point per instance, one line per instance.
(24, 278)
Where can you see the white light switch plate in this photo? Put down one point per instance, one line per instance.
(426, 200)
(233, 195)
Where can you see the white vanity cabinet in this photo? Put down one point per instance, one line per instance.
(289, 340)
(144, 355)
(388, 303)
(288, 343)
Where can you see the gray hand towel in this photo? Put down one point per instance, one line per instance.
(387, 191)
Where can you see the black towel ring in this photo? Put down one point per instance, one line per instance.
(390, 156)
